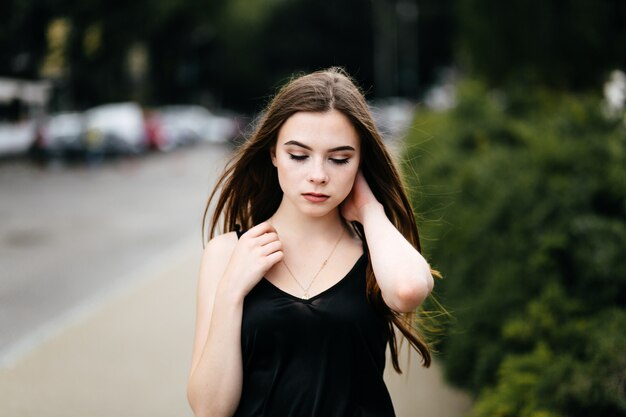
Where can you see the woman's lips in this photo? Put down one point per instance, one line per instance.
(315, 197)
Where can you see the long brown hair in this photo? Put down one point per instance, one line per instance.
(249, 192)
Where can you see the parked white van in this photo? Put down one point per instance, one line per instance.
(115, 128)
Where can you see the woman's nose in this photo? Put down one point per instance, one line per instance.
(318, 175)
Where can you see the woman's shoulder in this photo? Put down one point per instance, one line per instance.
(220, 247)
(222, 242)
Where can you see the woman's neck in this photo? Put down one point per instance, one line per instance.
(297, 224)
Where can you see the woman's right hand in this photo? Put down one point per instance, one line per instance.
(230, 269)
(256, 252)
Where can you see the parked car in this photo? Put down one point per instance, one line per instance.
(196, 123)
(159, 133)
(116, 128)
(178, 127)
(60, 135)
(16, 138)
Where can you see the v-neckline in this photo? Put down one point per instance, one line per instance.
(318, 295)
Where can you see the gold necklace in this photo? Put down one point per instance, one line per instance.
(305, 296)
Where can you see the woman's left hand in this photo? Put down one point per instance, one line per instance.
(361, 197)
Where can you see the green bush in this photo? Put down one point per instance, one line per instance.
(523, 200)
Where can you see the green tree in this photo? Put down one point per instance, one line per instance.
(23, 43)
(529, 189)
(563, 45)
(262, 44)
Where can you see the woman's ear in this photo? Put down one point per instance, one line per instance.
(273, 155)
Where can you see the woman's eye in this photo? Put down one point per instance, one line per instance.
(340, 161)
(337, 161)
(297, 157)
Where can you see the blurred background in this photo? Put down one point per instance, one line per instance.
(509, 122)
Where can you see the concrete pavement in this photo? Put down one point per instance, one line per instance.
(128, 355)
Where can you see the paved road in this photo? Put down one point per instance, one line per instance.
(72, 236)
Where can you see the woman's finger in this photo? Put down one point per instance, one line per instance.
(275, 257)
(260, 229)
(272, 247)
(266, 238)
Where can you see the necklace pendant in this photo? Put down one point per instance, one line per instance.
(305, 296)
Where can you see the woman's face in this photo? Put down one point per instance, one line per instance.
(317, 156)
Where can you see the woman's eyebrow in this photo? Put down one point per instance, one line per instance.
(302, 145)
(296, 143)
(342, 148)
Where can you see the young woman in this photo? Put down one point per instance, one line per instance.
(296, 309)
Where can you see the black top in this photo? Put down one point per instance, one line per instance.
(320, 357)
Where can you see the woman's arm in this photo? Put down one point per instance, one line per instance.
(402, 273)
(229, 270)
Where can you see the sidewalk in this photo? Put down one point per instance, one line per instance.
(130, 358)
